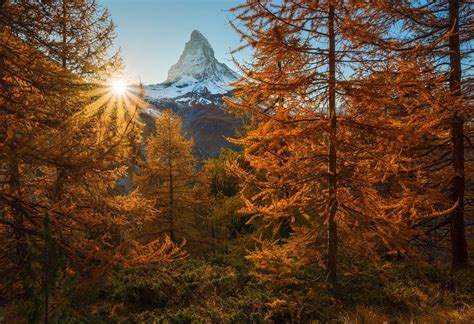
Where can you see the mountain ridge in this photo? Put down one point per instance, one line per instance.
(197, 71)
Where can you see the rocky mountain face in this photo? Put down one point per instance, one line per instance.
(198, 61)
(197, 77)
(194, 89)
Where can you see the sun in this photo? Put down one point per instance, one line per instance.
(119, 86)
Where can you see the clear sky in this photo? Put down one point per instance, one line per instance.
(152, 33)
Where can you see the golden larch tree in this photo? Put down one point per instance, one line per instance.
(168, 173)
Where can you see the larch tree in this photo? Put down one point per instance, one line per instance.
(63, 146)
(320, 166)
(168, 173)
(77, 34)
(439, 33)
(291, 89)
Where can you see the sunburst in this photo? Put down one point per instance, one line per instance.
(118, 86)
(114, 100)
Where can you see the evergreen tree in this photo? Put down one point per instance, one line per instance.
(219, 201)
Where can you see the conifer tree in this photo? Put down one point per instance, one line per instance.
(63, 147)
(437, 33)
(77, 34)
(315, 164)
(217, 191)
(168, 173)
(292, 89)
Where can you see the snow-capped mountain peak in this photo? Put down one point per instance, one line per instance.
(194, 89)
(196, 61)
(197, 73)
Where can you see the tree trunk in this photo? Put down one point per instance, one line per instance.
(332, 227)
(57, 192)
(171, 185)
(64, 35)
(15, 191)
(56, 197)
(458, 235)
(171, 205)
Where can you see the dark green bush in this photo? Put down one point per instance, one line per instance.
(181, 292)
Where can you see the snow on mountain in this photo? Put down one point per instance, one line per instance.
(195, 76)
(194, 89)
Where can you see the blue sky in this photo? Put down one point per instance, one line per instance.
(152, 33)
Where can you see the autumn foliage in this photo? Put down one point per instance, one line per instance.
(351, 198)
(358, 112)
(65, 141)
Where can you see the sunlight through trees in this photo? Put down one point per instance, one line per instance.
(347, 195)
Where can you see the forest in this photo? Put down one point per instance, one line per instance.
(349, 198)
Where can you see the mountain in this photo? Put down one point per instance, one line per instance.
(194, 89)
(197, 77)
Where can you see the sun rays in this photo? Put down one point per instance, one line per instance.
(111, 106)
(116, 97)
(119, 102)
